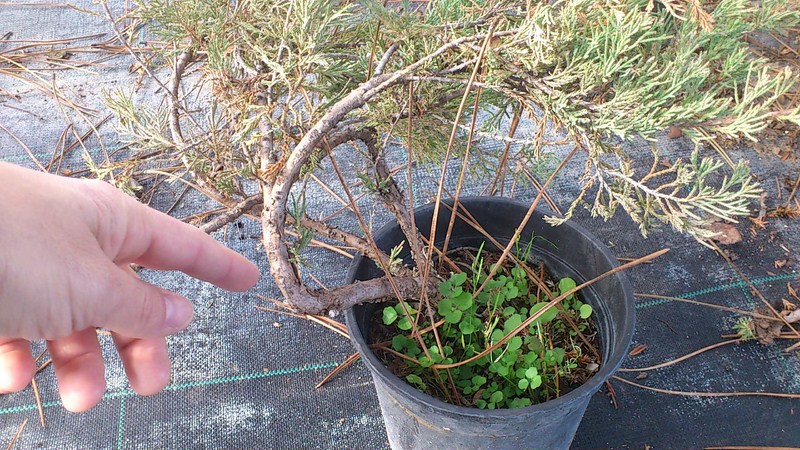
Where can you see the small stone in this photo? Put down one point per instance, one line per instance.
(276, 324)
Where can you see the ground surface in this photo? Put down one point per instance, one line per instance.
(244, 378)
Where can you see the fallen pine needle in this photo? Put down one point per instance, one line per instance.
(748, 447)
(682, 358)
(43, 366)
(708, 394)
(38, 400)
(710, 305)
(330, 324)
(17, 435)
(24, 147)
(613, 393)
(345, 364)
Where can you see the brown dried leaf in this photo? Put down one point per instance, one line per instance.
(784, 212)
(793, 317)
(637, 350)
(780, 263)
(726, 234)
(792, 292)
(787, 305)
(674, 132)
(766, 330)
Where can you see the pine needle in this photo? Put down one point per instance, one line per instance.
(708, 394)
(17, 435)
(345, 364)
(682, 358)
(38, 399)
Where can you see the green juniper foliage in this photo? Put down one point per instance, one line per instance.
(605, 71)
(531, 367)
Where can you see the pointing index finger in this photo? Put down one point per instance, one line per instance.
(156, 240)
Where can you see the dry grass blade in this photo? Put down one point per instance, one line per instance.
(682, 358)
(35, 80)
(17, 435)
(44, 365)
(50, 5)
(464, 163)
(523, 223)
(412, 220)
(708, 394)
(437, 202)
(500, 173)
(345, 364)
(330, 324)
(547, 198)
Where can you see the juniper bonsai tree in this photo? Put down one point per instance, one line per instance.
(290, 80)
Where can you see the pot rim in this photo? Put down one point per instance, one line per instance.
(588, 389)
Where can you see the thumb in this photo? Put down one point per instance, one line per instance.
(138, 309)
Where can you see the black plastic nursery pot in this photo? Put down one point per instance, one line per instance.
(416, 420)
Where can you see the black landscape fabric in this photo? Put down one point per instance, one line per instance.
(245, 377)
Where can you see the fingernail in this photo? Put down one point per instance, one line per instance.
(179, 311)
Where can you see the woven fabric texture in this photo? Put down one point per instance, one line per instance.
(244, 377)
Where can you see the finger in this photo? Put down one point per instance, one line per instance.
(16, 365)
(78, 363)
(154, 239)
(133, 308)
(146, 362)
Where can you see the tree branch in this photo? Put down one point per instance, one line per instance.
(181, 63)
(273, 217)
(351, 240)
(390, 195)
(232, 213)
(385, 59)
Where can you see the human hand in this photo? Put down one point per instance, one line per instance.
(65, 250)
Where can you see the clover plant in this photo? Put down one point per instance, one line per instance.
(534, 366)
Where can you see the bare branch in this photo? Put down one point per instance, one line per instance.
(385, 59)
(232, 213)
(181, 63)
(351, 240)
(392, 197)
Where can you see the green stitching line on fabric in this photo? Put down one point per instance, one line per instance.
(121, 423)
(724, 287)
(178, 387)
(17, 409)
(252, 376)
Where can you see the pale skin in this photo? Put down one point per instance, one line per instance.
(65, 250)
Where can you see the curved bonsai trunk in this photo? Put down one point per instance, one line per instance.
(274, 217)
